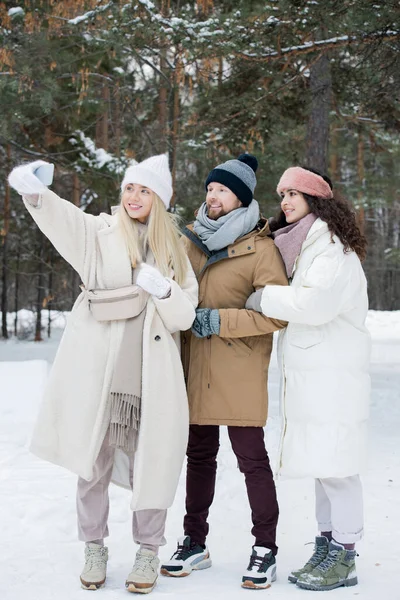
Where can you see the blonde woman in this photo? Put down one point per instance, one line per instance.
(115, 407)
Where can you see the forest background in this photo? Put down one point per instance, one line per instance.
(91, 85)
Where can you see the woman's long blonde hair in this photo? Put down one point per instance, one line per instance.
(163, 237)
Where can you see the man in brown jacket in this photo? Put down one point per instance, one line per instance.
(226, 359)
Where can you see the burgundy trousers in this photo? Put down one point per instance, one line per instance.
(249, 448)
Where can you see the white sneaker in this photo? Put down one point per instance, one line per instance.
(94, 572)
(261, 571)
(143, 576)
(188, 557)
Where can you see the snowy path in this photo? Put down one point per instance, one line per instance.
(41, 559)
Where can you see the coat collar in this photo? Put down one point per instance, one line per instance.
(242, 246)
(318, 228)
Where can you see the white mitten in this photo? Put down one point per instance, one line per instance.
(25, 179)
(150, 279)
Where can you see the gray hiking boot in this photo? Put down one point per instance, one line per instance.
(321, 549)
(94, 572)
(337, 570)
(143, 576)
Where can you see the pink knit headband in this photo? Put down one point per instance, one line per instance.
(304, 181)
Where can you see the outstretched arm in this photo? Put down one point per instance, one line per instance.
(64, 224)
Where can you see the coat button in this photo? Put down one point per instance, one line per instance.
(232, 252)
(157, 338)
(248, 247)
(229, 343)
(209, 337)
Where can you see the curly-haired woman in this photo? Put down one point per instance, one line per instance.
(324, 356)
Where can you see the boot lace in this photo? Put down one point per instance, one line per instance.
(261, 562)
(143, 563)
(318, 556)
(183, 551)
(95, 558)
(329, 561)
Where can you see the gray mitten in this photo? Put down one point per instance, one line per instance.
(254, 301)
(207, 322)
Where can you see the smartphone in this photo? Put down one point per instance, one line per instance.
(45, 174)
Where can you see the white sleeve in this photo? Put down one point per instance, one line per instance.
(178, 310)
(318, 300)
(66, 226)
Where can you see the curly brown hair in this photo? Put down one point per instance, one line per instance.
(337, 214)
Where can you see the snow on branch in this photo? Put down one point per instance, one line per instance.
(97, 158)
(90, 14)
(334, 42)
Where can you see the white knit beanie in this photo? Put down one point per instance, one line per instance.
(154, 173)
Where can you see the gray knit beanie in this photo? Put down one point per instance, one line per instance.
(238, 175)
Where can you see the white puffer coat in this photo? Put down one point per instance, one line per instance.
(324, 356)
(75, 413)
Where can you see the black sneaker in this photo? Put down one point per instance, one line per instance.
(261, 571)
(188, 557)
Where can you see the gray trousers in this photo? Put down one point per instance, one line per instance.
(92, 505)
(339, 508)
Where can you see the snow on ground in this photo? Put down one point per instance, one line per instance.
(40, 557)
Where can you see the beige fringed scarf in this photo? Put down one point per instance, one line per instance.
(126, 386)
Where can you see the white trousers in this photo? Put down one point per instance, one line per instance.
(339, 508)
(92, 504)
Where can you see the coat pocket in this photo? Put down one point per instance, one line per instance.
(305, 337)
(239, 347)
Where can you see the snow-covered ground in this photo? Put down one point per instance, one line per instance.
(40, 557)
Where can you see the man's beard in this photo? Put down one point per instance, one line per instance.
(215, 214)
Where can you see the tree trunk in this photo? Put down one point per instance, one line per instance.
(164, 89)
(50, 291)
(162, 104)
(361, 182)
(102, 123)
(76, 197)
(39, 289)
(16, 292)
(334, 160)
(4, 234)
(318, 124)
(117, 129)
(175, 129)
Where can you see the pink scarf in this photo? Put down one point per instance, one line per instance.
(289, 240)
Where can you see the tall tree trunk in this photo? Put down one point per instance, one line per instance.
(40, 288)
(16, 291)
(334, 156)
(50, 291)
(76, 198)
(102, 123)
(361, 182)
(162, 103)
(4, 234)
(164, 89)
(117, 118)
(175, 128)
(318, 124)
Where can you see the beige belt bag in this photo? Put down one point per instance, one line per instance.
(113, 305)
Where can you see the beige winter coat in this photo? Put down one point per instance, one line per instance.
(74, 417)
(227, 375)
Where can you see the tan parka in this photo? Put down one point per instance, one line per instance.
(227, 375)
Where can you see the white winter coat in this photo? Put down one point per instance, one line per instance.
(324, 355)
(75, 414)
